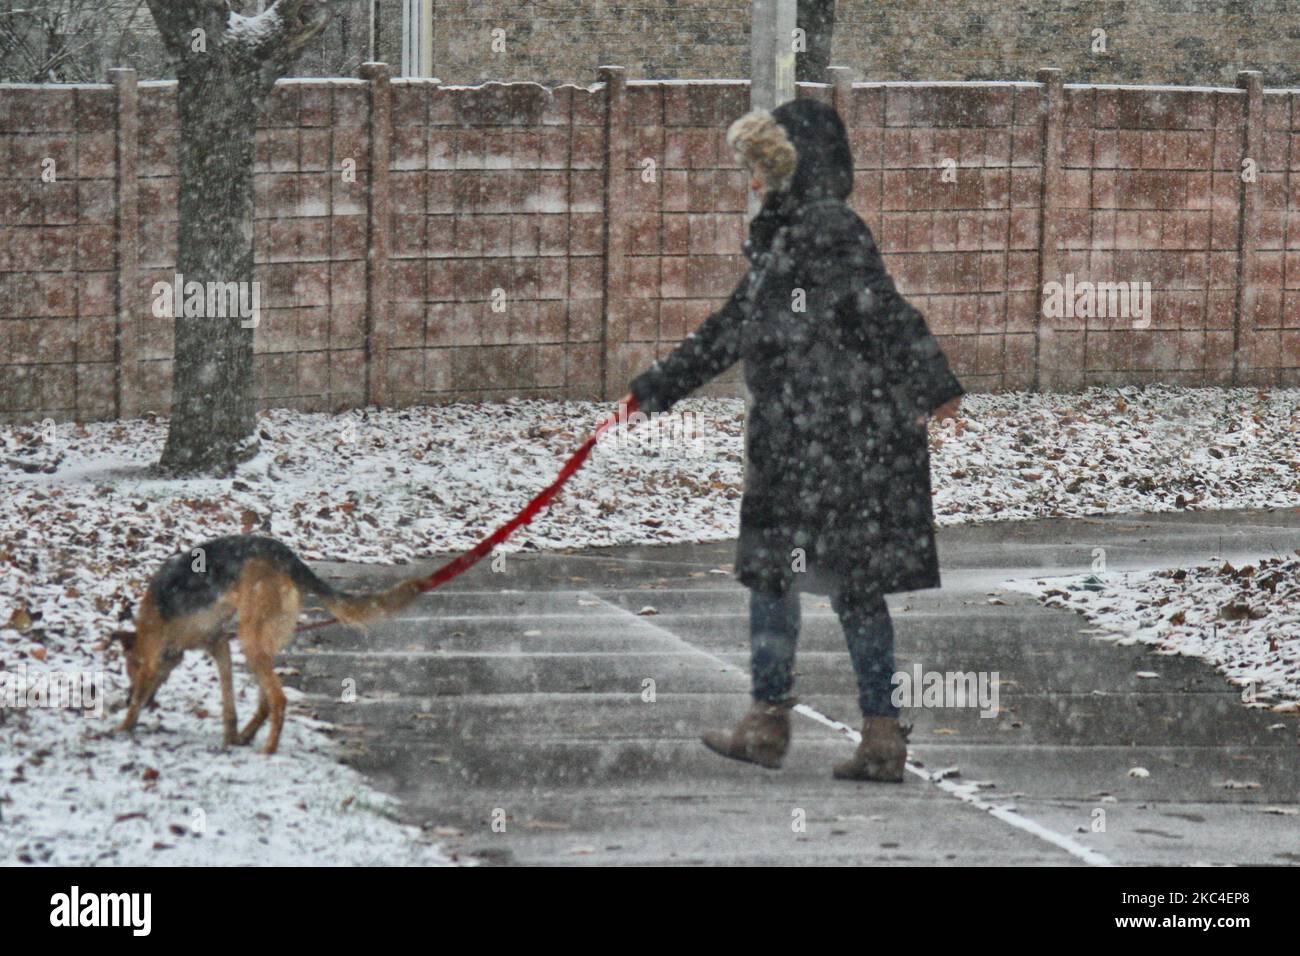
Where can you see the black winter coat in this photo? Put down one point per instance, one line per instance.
(837, 495)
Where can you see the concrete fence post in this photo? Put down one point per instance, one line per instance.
(1248, 228)
(614, 284)
(126, 241)
(378, 323)
(841, 79)
(1053, 354)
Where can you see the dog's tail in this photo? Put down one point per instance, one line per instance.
(352, 609)
(357, 609)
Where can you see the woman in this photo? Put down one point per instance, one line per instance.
(843, 373)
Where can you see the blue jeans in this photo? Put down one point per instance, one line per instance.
(774, 632)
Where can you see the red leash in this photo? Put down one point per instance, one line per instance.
(470, 558)
(462, 563)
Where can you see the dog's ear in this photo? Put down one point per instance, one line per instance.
(127, 639)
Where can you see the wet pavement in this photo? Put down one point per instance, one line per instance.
(549, 712)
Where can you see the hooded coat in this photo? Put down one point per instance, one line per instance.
(839, 366)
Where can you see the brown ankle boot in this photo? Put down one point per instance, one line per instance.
(881, 755)
(761, 737)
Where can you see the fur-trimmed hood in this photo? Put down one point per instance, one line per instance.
(801, 148)
(824, 167)
(762, 144)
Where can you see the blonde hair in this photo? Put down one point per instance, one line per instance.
(760, 142)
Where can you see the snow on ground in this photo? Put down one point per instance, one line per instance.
(84, 524)
(1105, 451)
(72, 795)
(1245, 621)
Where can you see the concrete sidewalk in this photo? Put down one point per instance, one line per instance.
(520, 697)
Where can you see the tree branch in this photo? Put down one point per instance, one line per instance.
(125, 32)
(292, 24)
(264, 43)
(176, 18)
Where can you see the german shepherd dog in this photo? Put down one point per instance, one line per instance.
(257, 581)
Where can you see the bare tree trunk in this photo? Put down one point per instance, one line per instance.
(817, 19)
(212, 370)
(226, 66)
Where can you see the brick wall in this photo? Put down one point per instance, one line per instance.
(1151, 189)
(965, 246)
(57, 263)
(550, 243)
(310, 241)
(497, 241)
(1185, 42)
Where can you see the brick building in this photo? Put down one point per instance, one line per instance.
(1182, 42)
(1144, 41)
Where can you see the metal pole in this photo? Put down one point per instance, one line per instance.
(426, 38)
(772, 53)
(417, 38)
(771, 83)
(771, 58)
(372, 31)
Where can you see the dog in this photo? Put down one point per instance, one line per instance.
(258, 582)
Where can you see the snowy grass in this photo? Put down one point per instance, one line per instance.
(72, 795)
(84, 525)
(1109, 451)
(1245, 621)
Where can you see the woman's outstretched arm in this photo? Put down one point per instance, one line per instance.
(704, 354)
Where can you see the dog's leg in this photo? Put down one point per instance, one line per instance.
(249, 625)
(252, 612)
(132, 715)
(278, 632)
(259, 717)
(273, 699)
(267, 617)
(220, 651)
(141, 697)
